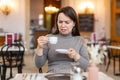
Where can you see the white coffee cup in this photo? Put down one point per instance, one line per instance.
(52, 40)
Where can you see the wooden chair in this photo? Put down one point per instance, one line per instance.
(12, 58)
(105, 42)
(115, 55)
(0, 67)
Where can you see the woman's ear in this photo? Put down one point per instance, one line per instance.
(73, 24)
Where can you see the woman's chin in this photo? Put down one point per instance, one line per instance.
(64, 33)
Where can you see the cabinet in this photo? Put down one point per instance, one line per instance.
(115, 19)
(2, 40)
(37, 34)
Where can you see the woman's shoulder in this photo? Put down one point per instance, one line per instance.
(80, 38)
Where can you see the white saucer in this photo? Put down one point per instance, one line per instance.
(63, 51)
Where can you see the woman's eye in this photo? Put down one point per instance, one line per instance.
(59, 21)
(67, 22)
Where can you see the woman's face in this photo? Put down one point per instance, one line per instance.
(65, 24)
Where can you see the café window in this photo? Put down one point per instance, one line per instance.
(117, 25)
(117, 3)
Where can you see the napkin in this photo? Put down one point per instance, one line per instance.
(30, 77)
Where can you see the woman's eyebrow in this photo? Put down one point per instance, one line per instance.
(65, 20)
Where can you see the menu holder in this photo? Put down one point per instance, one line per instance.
(9, 38)
(94, 37)
(16, 37)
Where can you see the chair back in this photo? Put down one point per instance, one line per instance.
(12, 55)
(114, 52)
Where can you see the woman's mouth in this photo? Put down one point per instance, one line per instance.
(63, 30)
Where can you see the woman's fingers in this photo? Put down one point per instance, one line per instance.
(42, 40)
(71, 53)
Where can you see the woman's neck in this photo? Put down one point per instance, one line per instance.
(65, 35)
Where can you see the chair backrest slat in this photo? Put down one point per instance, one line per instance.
(12, 56)
(114, 52)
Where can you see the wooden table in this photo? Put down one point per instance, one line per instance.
(114, 47)
(13, 49)
(102, 76)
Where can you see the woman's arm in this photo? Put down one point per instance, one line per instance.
(41, 51)
(41, 60)
(84, 57)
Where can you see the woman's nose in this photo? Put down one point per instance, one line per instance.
(63, 24)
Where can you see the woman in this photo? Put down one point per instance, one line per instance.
(69, 38)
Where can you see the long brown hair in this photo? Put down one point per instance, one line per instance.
(70, 12)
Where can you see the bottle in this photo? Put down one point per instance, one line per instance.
(94, 37)
(77, 75)
(102, 34)
(20, 36)
(93, 72)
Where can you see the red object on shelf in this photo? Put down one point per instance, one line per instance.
(94, 37)
(9, 38)
(15, 36)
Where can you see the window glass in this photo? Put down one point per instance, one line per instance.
(117, 3)
(117, 24)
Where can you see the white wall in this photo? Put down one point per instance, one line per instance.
(108, 18)
(36, 8)
(15, 21)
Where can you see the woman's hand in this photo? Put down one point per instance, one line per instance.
(73, 54)
(42, 40)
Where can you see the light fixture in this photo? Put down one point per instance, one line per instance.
(51, 9)
(6, 6)
(87, 6)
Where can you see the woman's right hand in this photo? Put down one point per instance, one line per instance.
(42, 40)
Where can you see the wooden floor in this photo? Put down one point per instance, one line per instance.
(30, 67)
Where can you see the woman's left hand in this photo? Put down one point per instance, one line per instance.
(73, 54)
